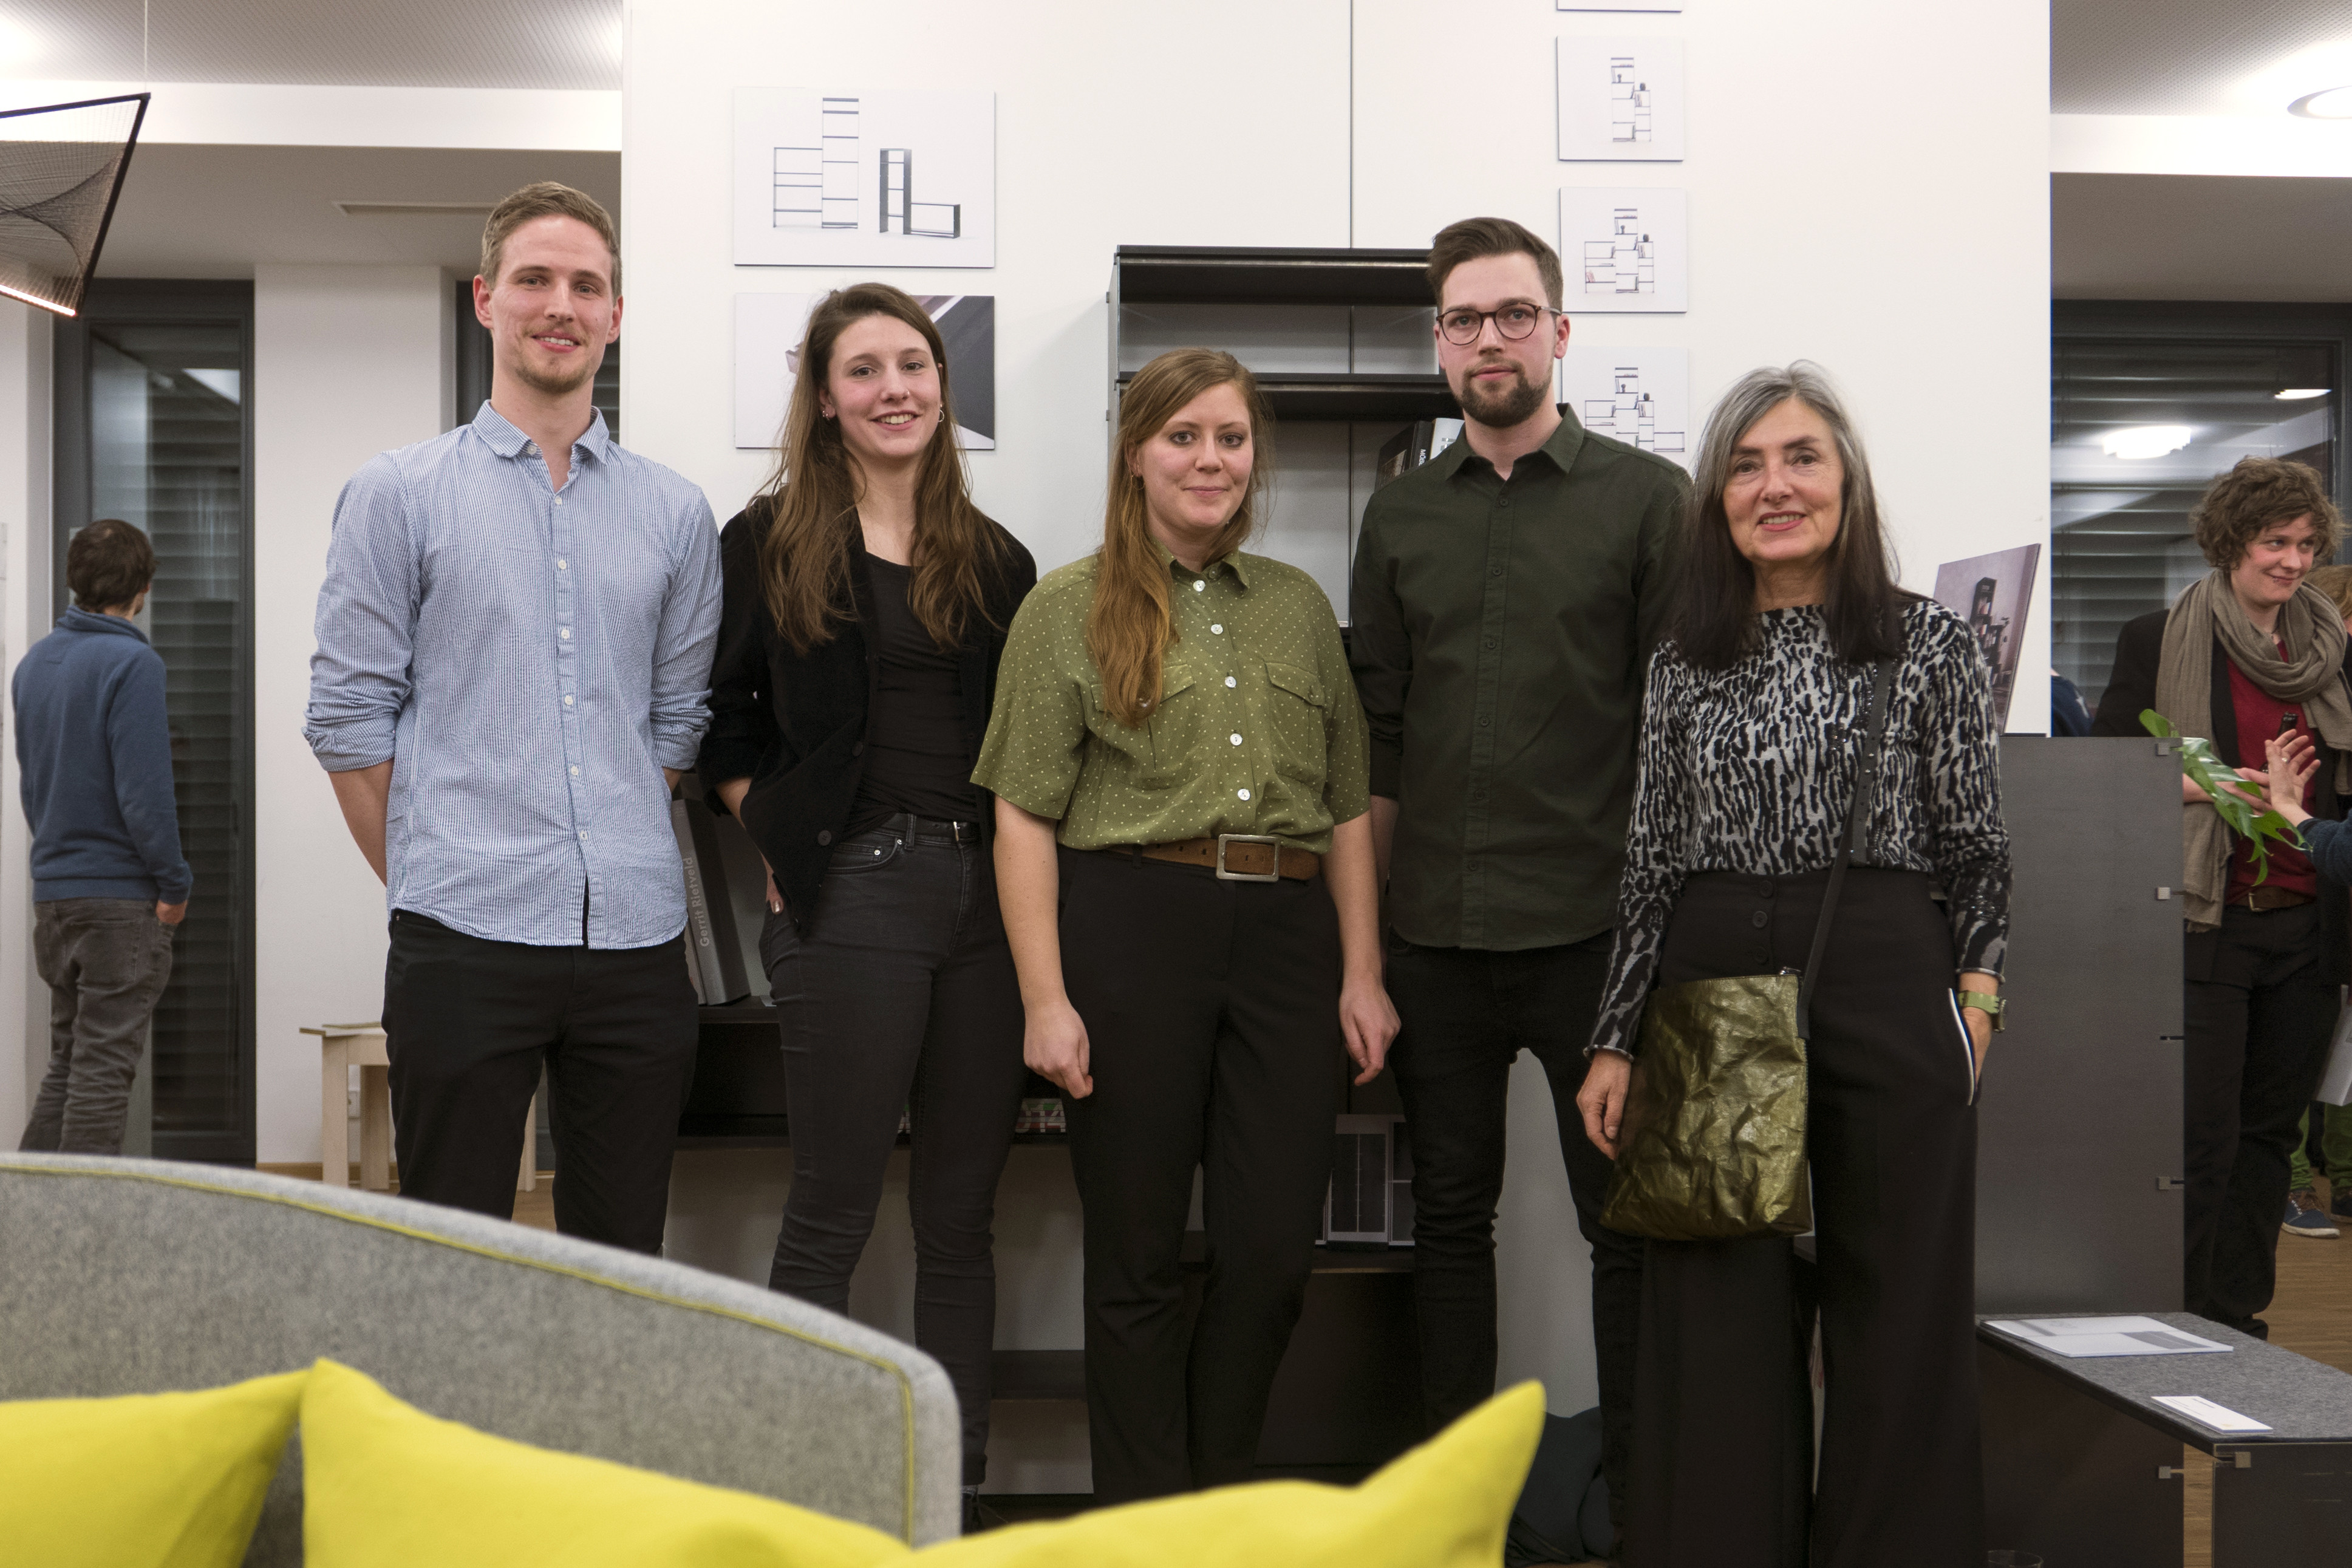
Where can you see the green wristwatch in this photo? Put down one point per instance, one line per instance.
(1991, 1006)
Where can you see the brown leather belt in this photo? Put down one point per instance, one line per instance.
(2259, 899)
(1235, 856)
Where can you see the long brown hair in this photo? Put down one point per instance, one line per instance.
(811, 498)
(1128, 627)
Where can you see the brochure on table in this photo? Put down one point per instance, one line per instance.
(2080, 1337)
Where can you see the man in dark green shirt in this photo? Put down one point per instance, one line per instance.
(1507, 595)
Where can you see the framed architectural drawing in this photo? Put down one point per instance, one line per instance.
(1620, 99)
(768, 329)
(1626, 250)
(865, 179)
(1640, 396)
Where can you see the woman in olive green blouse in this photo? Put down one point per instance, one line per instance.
(1186, 871)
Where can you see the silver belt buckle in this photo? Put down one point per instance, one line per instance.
(1226, 876)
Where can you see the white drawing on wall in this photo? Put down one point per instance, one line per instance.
(869, 179)
(1620, 99)
(768, 329)
(1639, 396)
(1630, 249)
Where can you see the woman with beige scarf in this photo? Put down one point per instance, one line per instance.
(2248, 653)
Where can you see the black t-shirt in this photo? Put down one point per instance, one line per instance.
(917, 758)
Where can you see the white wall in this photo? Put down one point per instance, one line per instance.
(1868, 188)
(348, 361)
(25, 464)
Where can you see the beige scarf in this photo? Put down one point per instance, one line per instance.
(2311, 676)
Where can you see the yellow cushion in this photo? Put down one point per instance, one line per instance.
(146, 1480)
(1444, 1505)
(385, 1484)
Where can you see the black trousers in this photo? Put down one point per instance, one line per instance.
(467, 1025)
(1212, 1020)
(1723, 1464)
(901, 997)
(2256, 1020)
(1467, 1015)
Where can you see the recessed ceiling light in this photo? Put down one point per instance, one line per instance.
(2145, 440)
(19, 45)
(2297, 393)
(2334, 103)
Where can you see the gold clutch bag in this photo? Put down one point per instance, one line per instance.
(1711, 1144)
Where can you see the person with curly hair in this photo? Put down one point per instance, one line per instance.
(2249, 655)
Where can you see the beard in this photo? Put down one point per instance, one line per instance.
(560, 384)
(1501, 407)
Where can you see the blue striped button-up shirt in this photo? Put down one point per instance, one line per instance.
(529, 659)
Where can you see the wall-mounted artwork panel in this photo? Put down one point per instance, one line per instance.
(1626, 249)
(865, 179)
(1620, 99)
(1640, 396)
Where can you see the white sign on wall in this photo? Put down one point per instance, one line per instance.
(768, 329)
(865, 179)
(1640, 396)
(1620, 99)
(1625, 249)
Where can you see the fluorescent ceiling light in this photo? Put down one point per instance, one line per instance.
(2333, 103)
(2145, 440)
(2297, 393)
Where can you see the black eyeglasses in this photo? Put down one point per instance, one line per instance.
(1513, 320)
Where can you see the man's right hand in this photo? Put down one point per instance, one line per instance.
(171, 914)
(1602, 1098)
(1053, 1043)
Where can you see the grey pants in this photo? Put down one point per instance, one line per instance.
(105, 961)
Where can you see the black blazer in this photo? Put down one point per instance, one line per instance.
(2139, 647)
(795, 724)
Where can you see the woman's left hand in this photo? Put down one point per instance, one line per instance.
(1368, 1020)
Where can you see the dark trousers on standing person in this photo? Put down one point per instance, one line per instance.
(900, 996)
(1213, 1022)
(2256, 1021)
(1467, 1014)
(468, 1023)
(105, 961)
(1723, 1471)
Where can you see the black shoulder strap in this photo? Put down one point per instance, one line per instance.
(1857, 824)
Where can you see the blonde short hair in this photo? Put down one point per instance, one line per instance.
(545, 198)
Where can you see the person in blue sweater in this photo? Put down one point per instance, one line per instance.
(110, 883)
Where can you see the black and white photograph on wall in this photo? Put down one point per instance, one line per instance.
(1637, 395)
(768, 330)
(1626, 249)
(1620, 99)
(865, 179)
(1993, 594)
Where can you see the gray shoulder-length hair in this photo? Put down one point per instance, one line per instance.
(1713, 619)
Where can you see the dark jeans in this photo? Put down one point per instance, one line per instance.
(467, 1025)
(1723, 1473)
(1467, 1015)
(1212, 1021)
(105, 961)
(901, 996)
(2257, 1021)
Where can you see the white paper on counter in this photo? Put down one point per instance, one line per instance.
(2080, 1337)
(2205, 1413)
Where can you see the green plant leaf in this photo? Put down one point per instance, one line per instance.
(2255, 823)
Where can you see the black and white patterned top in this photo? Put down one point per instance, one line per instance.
(1751, 769)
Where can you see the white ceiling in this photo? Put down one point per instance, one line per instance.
(2186, 236)
(329, 43)
(2194, 57)
(214, 212)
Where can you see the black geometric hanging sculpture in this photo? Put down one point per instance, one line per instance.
(60, 169)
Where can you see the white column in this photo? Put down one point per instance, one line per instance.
(24, 522)
(348, 361)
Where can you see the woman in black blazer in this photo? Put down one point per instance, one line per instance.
(2248, 653)
(866, 602)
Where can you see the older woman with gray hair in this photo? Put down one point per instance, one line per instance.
(1751, 746)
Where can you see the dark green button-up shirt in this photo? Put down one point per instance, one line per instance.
(1502, 631)
(1256, 729)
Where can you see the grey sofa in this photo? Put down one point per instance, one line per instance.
(135, 1276)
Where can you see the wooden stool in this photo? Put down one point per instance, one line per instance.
(346, 1046)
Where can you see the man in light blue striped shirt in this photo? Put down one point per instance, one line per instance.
(515, 638)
